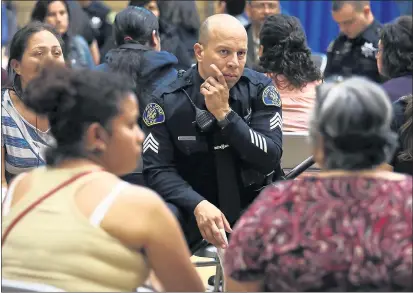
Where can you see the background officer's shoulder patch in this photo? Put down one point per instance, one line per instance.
(271, 97)
(153, 114)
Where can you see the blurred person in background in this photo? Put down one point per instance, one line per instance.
(395, 57)
(169, 34)
(101, 18)
(138, 53)
(184, 15)
(353, 51)
(348, 228)
(93, 232)
(403, 124)
(25, 134)
(235, 8)
(138, 56)
(80, 25)
(56, 13)
(8, 28)
(395, 62)
(257, 11)
(286, 58)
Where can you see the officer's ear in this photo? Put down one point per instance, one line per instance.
(156, 40)
(260, 50)
(199, 52)
(366, 10)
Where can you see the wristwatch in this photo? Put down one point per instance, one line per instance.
(223, 123)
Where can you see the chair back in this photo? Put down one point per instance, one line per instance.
(320, 60)
(296, 150)
(20, 286)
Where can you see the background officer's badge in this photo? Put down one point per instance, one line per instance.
(368, 49)
(271, 97)
(153, 114)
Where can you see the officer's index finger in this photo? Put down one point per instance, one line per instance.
(218, 74)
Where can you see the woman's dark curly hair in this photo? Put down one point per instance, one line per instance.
(397, 43)
(285, 51)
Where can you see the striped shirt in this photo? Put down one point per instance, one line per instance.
(24, 144)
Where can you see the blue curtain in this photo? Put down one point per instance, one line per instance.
(319, 25)
(4, 24)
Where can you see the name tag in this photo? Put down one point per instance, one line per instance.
(186, 138)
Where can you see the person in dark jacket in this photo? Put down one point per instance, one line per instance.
(352, 52)
(169, 34)
(101, 18)
(395, 57)
(214, 135)
(138, 56)
(403, 125)
(184, 16)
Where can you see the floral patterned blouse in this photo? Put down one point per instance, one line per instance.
(326, 234)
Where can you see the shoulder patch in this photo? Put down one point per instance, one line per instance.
(153, 114)
(271, 97)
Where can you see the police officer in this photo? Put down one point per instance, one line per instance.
(353, 52)
(213, 136)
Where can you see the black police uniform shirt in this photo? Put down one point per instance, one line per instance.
(346, 57)
(101, 19)
(178, 159)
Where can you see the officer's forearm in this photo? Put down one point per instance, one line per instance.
(253, 147)
(173, 188)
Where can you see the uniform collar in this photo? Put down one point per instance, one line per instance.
(371, 33)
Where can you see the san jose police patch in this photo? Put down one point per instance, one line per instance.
(271, 97)
(153, 114)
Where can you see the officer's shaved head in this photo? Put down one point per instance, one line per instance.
(223, 42)
(216, 23)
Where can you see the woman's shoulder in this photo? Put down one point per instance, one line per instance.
(134, 196)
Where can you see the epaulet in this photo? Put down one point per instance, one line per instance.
(255, 77)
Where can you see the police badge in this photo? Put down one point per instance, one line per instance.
(271, 97)
(368, 49)
(153, 114)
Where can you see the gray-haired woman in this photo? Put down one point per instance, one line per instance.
(348, 228)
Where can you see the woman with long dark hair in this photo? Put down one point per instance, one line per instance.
(286, 58)
(395, 57)
(25, 134)
(56, 14)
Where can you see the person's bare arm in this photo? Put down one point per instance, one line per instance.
(94, 50)
(234, 286)
(140, 219)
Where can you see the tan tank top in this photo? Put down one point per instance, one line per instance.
(56, 245)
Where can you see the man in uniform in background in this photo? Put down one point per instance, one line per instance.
(213, 136)
(353, 52)
(258, 11)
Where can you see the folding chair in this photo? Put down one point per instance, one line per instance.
(320, 60)
(297, 154)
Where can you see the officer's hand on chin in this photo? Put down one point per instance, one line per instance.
(210, 220)
(216, 93)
